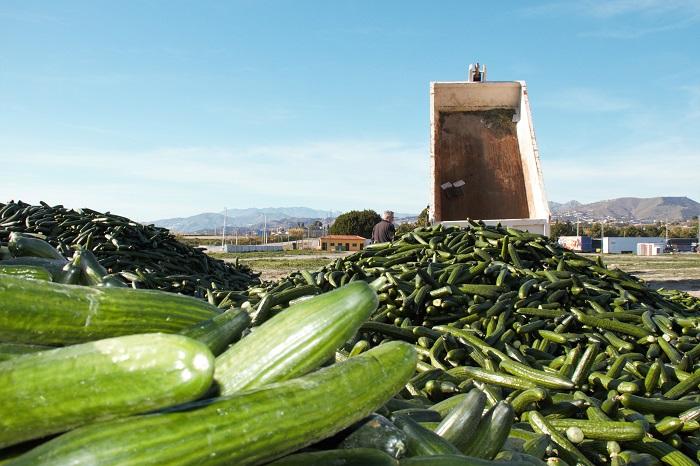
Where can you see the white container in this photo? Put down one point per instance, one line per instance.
(628, 244)
(650, 249)
(484, 157)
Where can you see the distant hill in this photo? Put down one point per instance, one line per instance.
(629, 209)
(242, 218)
(252, 219)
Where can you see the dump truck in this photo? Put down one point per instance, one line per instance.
(484, 158)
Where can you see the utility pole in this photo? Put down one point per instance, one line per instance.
(264, 229)
(223, 232)
(578, 222)
(602, 237)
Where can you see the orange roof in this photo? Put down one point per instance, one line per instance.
(344, 237)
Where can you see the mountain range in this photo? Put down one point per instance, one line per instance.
(245, 218)
(633, 209)
(630, 209)
(252, 219)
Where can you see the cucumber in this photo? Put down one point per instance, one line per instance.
(491, 433)
(55, 390)
(45, 313)
(351, 457)
(568, 451)
(376, 432)
(456, 460)
(681, 388)
(219, 331)
(523, 400)
(445, 406)
(26, 271)
(494, 378)
(54, 266)
(541, 378)
(459, 425)
(297, 340)
(25, 245)
(250, 427)
(12, 350)
(656, 405)
(601, 430)
(662, 451)
(421, 441)
(419, 414)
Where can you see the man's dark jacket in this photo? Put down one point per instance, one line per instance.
(383, 231)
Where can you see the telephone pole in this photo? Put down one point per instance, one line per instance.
(223, 232)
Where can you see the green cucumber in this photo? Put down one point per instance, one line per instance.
(26, 271)
(250, 427)
(491, 433)
(12, 350)
(456, 460)
(421, 441)
(601, 430)
(445, 406)
(494, 378)
(297, 340)
(219, 331)
(662, 451)
(459, 425)
(54, 266)
(376, 432)
(540, 378)
(656, 405)
(523, 400)
(26, 245)
(55, 390)
(681, 388)
(569, 452)
(349, 457)
(46, 313)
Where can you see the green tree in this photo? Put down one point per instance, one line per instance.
(421, 221)
(355, 222)
(558, 229)
(404, 228)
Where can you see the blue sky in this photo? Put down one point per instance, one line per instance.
(157, 109)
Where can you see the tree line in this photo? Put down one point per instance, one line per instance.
(557, 229)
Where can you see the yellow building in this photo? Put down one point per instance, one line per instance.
(342, 243)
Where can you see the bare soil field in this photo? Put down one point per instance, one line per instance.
(274, 265)
(670, 271)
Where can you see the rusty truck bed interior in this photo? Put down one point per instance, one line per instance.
(481, 149)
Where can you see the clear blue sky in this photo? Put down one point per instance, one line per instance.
(156, 109)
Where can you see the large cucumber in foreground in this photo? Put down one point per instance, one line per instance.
(52, 391)
(296, 341)
(26, 271)
(46, 313)
(248, 428)
(219, 331)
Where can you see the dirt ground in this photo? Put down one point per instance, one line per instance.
(670, 271)
(273, 266)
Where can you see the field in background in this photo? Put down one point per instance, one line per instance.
(274, 265)
(677, 271)
(670, 271)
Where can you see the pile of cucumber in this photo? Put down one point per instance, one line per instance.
(144, 256)
(608, 368)
(483, 346)
(100, 375)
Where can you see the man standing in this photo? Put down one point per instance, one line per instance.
(384, 230)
